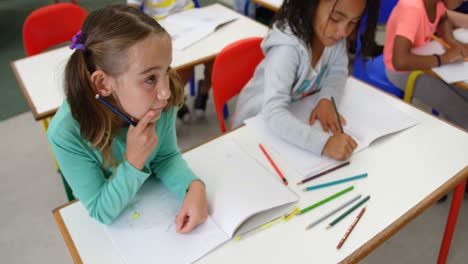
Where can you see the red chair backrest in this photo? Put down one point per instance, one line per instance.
(233, 67)
(51, 25)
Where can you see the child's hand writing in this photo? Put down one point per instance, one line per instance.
(339, 146)
(325, 113)
(194, 210)
(141, 141)
(452, 55)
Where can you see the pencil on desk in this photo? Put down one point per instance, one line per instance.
(314, 187)
(273, 164)
(323, 173)
(350, 210)
(350, 229)
(326, 200)
(332, 212)
(337, 115)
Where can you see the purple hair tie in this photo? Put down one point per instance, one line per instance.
(76, 42)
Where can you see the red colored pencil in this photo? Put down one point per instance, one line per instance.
(273, 164)
(348, 232)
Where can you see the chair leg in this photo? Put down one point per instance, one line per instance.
(451, 222)
(225, 112)
(410, 85)
(192, 86)
(66, 187)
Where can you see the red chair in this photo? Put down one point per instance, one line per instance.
(232, 69)
(51, 25)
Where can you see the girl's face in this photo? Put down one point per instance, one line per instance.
(336, 19)
(453, 4)
(144, 83)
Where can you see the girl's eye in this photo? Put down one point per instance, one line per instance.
(150, 80)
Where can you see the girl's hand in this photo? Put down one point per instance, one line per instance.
(194, 210)
(452, 55)
(141, 141)
(465, 50)
(339, 146)
(325, 113)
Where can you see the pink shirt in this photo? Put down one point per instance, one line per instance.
(409, 20)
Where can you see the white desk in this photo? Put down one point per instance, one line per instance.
(408, 172)
(41, 76)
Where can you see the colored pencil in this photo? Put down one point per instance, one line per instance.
(273, 164)
(314, 187)
(323, 173)
(350, 210)
(337, 115)
(332, 212)
(441, 42)
(124, 117)
(317, 204)
(350, 229)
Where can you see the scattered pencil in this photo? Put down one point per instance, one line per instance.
(317, 204)
(321, 219)
(323, 173)
(350, 210)
(273, 164)
(350, 229)
(314, 187)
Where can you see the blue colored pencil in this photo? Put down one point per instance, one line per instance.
(314, 187)
(116, 111)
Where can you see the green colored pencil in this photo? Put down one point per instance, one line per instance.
(317, 204)
(339, 218)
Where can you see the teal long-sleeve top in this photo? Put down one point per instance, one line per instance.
(102, 191)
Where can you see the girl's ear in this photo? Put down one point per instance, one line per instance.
(102, 83)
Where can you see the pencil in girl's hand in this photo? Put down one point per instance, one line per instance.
(273, 164)
(124, 117)
(337, 115)
(348, 232)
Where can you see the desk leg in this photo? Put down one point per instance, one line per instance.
(451, 222)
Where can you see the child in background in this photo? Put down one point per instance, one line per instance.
(411, 24)
(305, 53)
(159, 9)
(122, 56)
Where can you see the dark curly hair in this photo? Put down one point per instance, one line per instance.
(299, 14)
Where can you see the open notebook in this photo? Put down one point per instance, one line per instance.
(450, 73)
(190, 26)
(145, 231)
(365, 123)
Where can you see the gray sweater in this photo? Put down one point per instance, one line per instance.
(281, 77)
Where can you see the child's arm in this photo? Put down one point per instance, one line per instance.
(281, 68)
(405, 60)
(458, 19)
(103, 198)
(171, 168)
(168, 165)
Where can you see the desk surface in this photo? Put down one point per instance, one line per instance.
(408, 172)
(41, 76)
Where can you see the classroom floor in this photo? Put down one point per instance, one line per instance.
(30, 187)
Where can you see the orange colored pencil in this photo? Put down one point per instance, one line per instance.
(348, 232)
(441, 42)
(273, 164)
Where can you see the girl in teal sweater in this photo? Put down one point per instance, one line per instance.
(121, 63)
